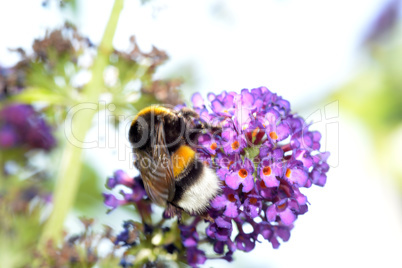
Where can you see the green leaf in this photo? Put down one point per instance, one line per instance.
(35, 94)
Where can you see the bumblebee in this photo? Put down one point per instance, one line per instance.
(163, 142)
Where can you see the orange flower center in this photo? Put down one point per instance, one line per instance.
(273, 135)
(262, 184)
(266, 171)
(288, 172)
(214, 146)
(243, 173)
(231, 198)
(282, 206)
(230, 163)
(253, 201)
(255, 132)
(235, 145)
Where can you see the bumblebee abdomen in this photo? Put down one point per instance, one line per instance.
(196, 189)
(182, 159)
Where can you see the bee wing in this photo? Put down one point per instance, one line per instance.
(162, 151)
(157, 170)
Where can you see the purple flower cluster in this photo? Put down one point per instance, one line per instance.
(136, 236)
(20, 125)
(128, 236)
(136, 195)
(190, 240)
(263, 155)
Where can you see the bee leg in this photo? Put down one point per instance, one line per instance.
(172, 210)
(179, 218)
(207, 217)
(194, 132)
(213, 127)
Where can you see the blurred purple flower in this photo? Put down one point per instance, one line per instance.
(195, 256)
(120, 177)
(20, 125)
(384, 23)
(112, 201)
(128, 236)
(136, 195)
(8, 139)
(190, 238)
(189, 234)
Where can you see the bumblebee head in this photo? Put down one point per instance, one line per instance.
(144, 127)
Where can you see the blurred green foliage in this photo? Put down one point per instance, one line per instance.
(19, 220)
(89, 191)
(64, 70)
(374, 95)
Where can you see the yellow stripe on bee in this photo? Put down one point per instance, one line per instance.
(156, 110)
(181, 159)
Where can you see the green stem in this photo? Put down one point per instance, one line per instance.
(70, 168)
(104, 50)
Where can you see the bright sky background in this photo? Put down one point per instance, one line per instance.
(300, 49)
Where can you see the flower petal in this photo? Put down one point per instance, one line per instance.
(197, 100)
(231, 210)
(298, 176)
(219, 202)
(233, 181)
(223, 223)
(271, 213)
(287, 216)
(248, 184)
